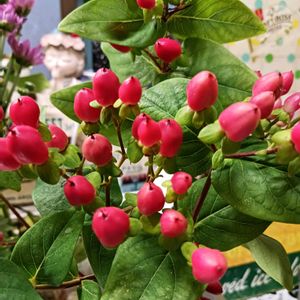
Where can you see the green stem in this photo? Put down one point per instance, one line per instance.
(107, 192)
(2, 44)
(150, 168)
(6, 78)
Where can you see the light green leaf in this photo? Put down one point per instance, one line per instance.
(39, 80)
(72, 159)
(270, 255)
(89, 290)
(10, 180)
(222, 21)
(46, 250)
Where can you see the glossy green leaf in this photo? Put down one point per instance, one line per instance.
(219, 225)
(222, 21)
(115, 193)
(271, 257)
(89, 290)
(72, 159)
(259, 189)
(10, 180)
(143, 270)
(49, 172)
(14, 284)
(39, 81)
(119, 21)
(49, 199)
(46, 250)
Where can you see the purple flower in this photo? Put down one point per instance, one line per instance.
(25, 55)
(9, 20)
(22, 7)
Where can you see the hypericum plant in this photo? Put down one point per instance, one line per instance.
(176, 96)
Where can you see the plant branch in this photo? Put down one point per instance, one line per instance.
(15, 212)
(178, 8)
(153, 58)
(107, 191)
(250, 153)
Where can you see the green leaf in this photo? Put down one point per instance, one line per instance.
(134, 151)
(45, 132)
(89, 290)
(14, 284)
(143, 270)
(119, 21)
(99, 257)
(39, 80)
(222, 21)
(219, 225)
(115, 193)
(10, 180)
(163, 101)
(46, 250)
(49, 172)
(49, 199)
(271, 257)
(64, 99)
(72, 159)
(259, 189)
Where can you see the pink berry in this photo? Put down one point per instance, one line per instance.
(110, 225)
(146, 4)
(202, 91)
(59, 138)
(234, 122)
(181, 182)
(171, 137)
(1, 236)
(149, 132)
(123, 49)
(1, 114)
(167, 49)
(97, 149)
(295, 137)
(271, 82)
(7, 160)
(265, 102)
(208, 265)
(173, 223)
(292, 103)
(27, 146)
(25, 111)
(106, 87)
(215, 288)
(136, 123)
(82, 107)
(130, 91)
(79, 191)
(288, 79)
(150, 199)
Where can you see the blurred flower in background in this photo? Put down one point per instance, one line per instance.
(22, 7)
(9, 19)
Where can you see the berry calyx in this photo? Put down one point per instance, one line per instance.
(1, 114)
(27, 146)
(146, 4)
(97, 149)
(59, 138)
(148, 132)
(287, 82)
(173, 223)
(25, 111)
(110, 225)
(181, 182)
(106, 87)
(150, 199)
(171, 137)
(167, 49)
(202, 91)
(136, 123)
(265, 102)
(233, 121)
(271, 82)
(130, 91)
(208, 265)
(215, 288)
(79, 191)
(82, 107)
(7, 160)
(123, 49)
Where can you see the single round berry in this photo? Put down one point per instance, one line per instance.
(136, 123)
(202, 91)
(27, 146)
(292, 103)
(123, 49)
(7, 160)
(208, 265)
(130, 91)
(265, 102)
(215, 288)
(79, 191)
(181, 182)
(1, 236)
(106, 87)
(149, 132)
(82, 107)
(59, 138)
(150, 199)
(234, 123)
(97, 149)
(167, 49)
(25, 111)
(287, 82)
(110, 225)
(173, 223)
(171, 137)
(2, 115)
(295, 137)
(146, 4)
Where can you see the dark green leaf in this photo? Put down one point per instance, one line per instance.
(39, 80)
(89, 290)
(45, 132)
(143, 270)
(14, 284)
(270, 255)
(10, 180)
(134, 151)
(115, 193)
(49, 172)
(46, 250)
(222, 21)
(259, 189)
